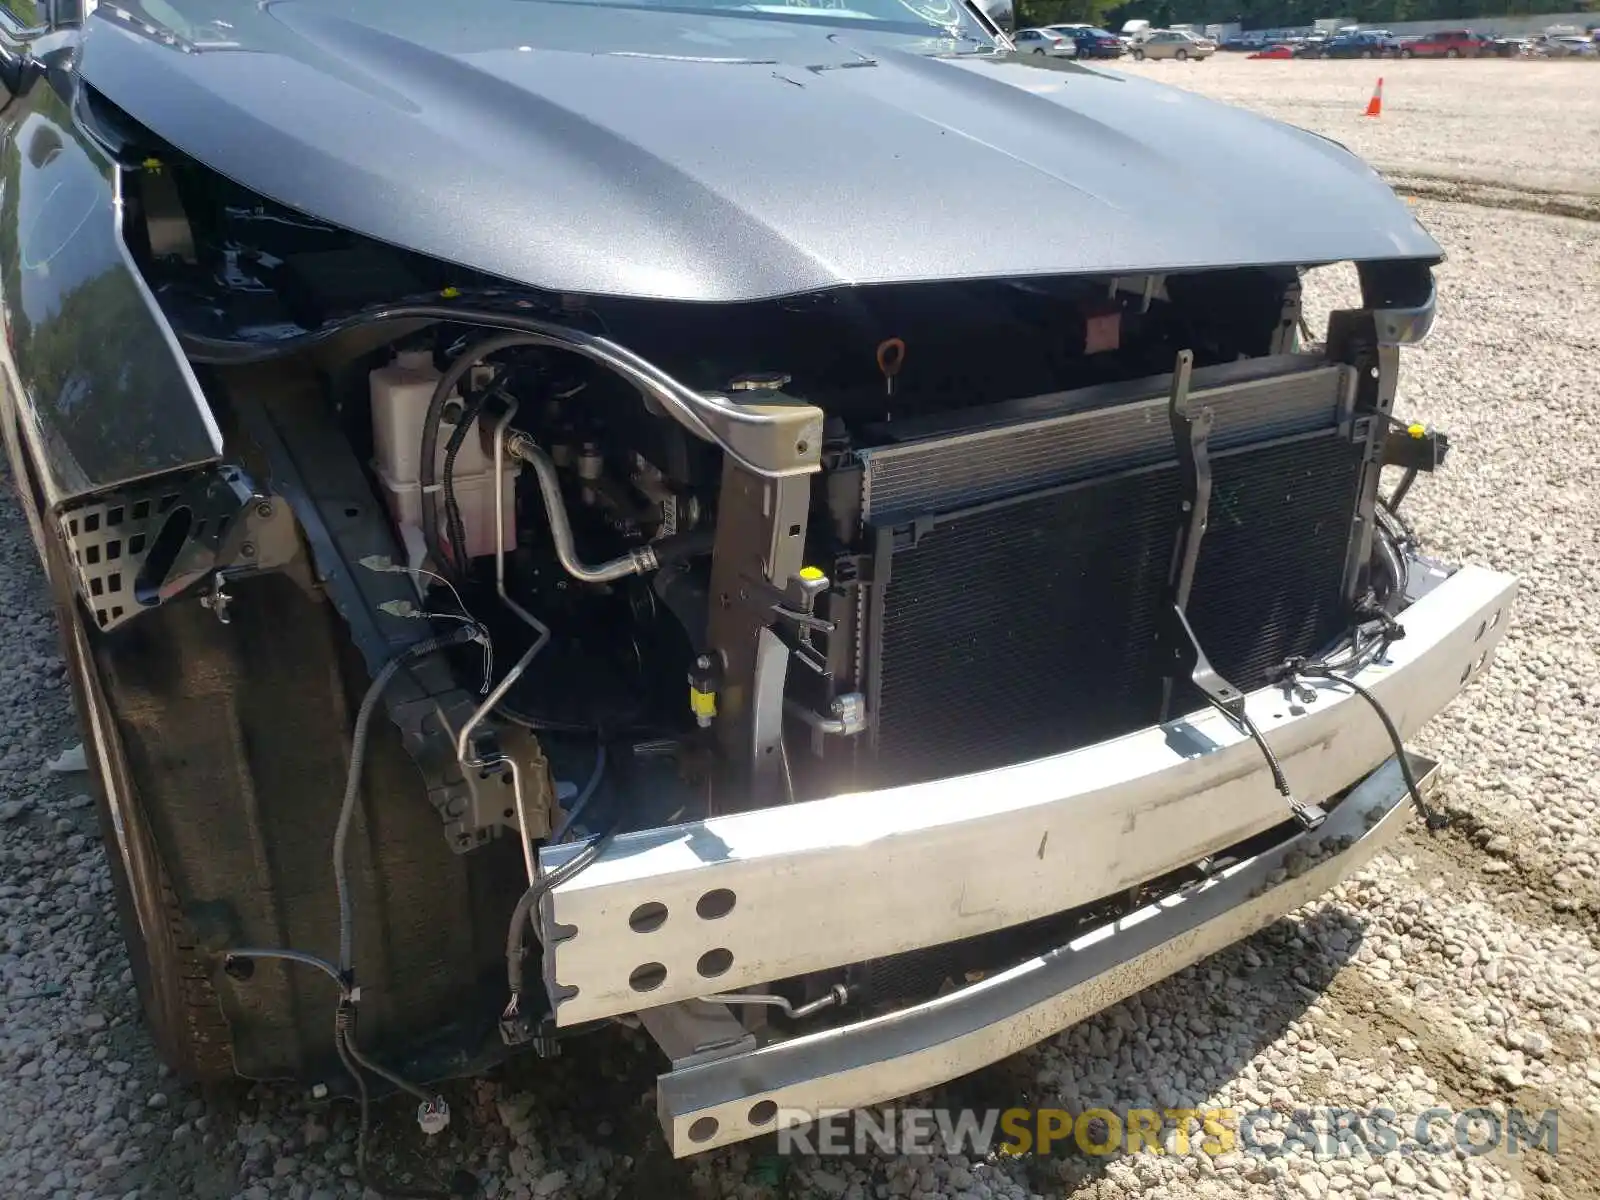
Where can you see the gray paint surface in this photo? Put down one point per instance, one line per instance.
(728, 155)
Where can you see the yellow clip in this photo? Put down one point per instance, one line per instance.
(151, 164)
(1417, 431)
(702, 704)
(811, 574)
(450, 293)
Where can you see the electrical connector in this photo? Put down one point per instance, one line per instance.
(433, 1116)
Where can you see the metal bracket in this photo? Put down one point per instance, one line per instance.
(1188, 658)
(1286, 337)
(1191, 661)
(756, 561)
(1190, 432)
(696, 1031)
(793, 612)
(145, 544)
(1354, 338)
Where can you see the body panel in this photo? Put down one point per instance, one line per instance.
(94, 384)
(730, 156)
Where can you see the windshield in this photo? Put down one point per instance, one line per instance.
(942, 14)
(211, 21)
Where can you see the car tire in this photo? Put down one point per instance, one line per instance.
(1368, 54)
(171, 974)
(1181, 55)
(1407, 54)
(1138, 56)
(1452, 54)
(1038, 53)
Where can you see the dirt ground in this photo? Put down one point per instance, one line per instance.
(1532, 124)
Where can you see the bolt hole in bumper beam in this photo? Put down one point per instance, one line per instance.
(786, 1084)
(741, 900)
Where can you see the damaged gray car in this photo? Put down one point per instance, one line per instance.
(783, 524)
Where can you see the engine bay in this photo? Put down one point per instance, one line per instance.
(712, 558)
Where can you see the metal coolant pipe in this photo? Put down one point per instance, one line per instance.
(635, 562)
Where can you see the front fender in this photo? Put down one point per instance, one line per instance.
(90, 373)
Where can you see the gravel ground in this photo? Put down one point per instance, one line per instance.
(1533, 123)
(1461, 970)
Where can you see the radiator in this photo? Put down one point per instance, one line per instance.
(1020, 570)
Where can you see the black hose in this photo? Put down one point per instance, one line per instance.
(680, 546)
(584, 796)
(521, 917)
(452, 448)
(453, 375)
(1435, 821)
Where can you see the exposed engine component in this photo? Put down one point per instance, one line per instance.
(612, 533)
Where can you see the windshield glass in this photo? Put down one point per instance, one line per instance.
(944, 14)
(212, 21)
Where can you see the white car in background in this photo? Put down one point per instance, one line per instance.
(1047, 42)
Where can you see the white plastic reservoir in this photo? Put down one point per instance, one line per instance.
(400, 395)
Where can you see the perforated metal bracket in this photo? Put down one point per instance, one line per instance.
(144, 544)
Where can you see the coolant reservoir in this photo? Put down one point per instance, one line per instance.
(400, 395)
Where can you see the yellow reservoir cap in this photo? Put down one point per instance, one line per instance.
(702, 704)
(811, 574)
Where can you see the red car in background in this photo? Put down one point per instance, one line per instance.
(1279, 51)
(1449, 43)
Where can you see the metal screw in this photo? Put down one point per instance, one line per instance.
(264, 509)
(248, 550)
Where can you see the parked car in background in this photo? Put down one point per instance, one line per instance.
(1279, 51)
(1046, 42)
(1358, 45)
(1449, 43)
(1568, 46)
(1508, 47)
(1091, 41)
(1174, 43)
(1309, 47)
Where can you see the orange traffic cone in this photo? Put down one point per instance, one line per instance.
(1375, 105)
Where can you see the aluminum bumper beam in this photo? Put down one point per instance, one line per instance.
(792, 1082)
(671, 914)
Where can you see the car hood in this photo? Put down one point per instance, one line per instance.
(734, 155)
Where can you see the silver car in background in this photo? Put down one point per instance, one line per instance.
(1048, 42)
(1173, 43)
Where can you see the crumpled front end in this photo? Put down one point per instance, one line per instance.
(738, 902)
